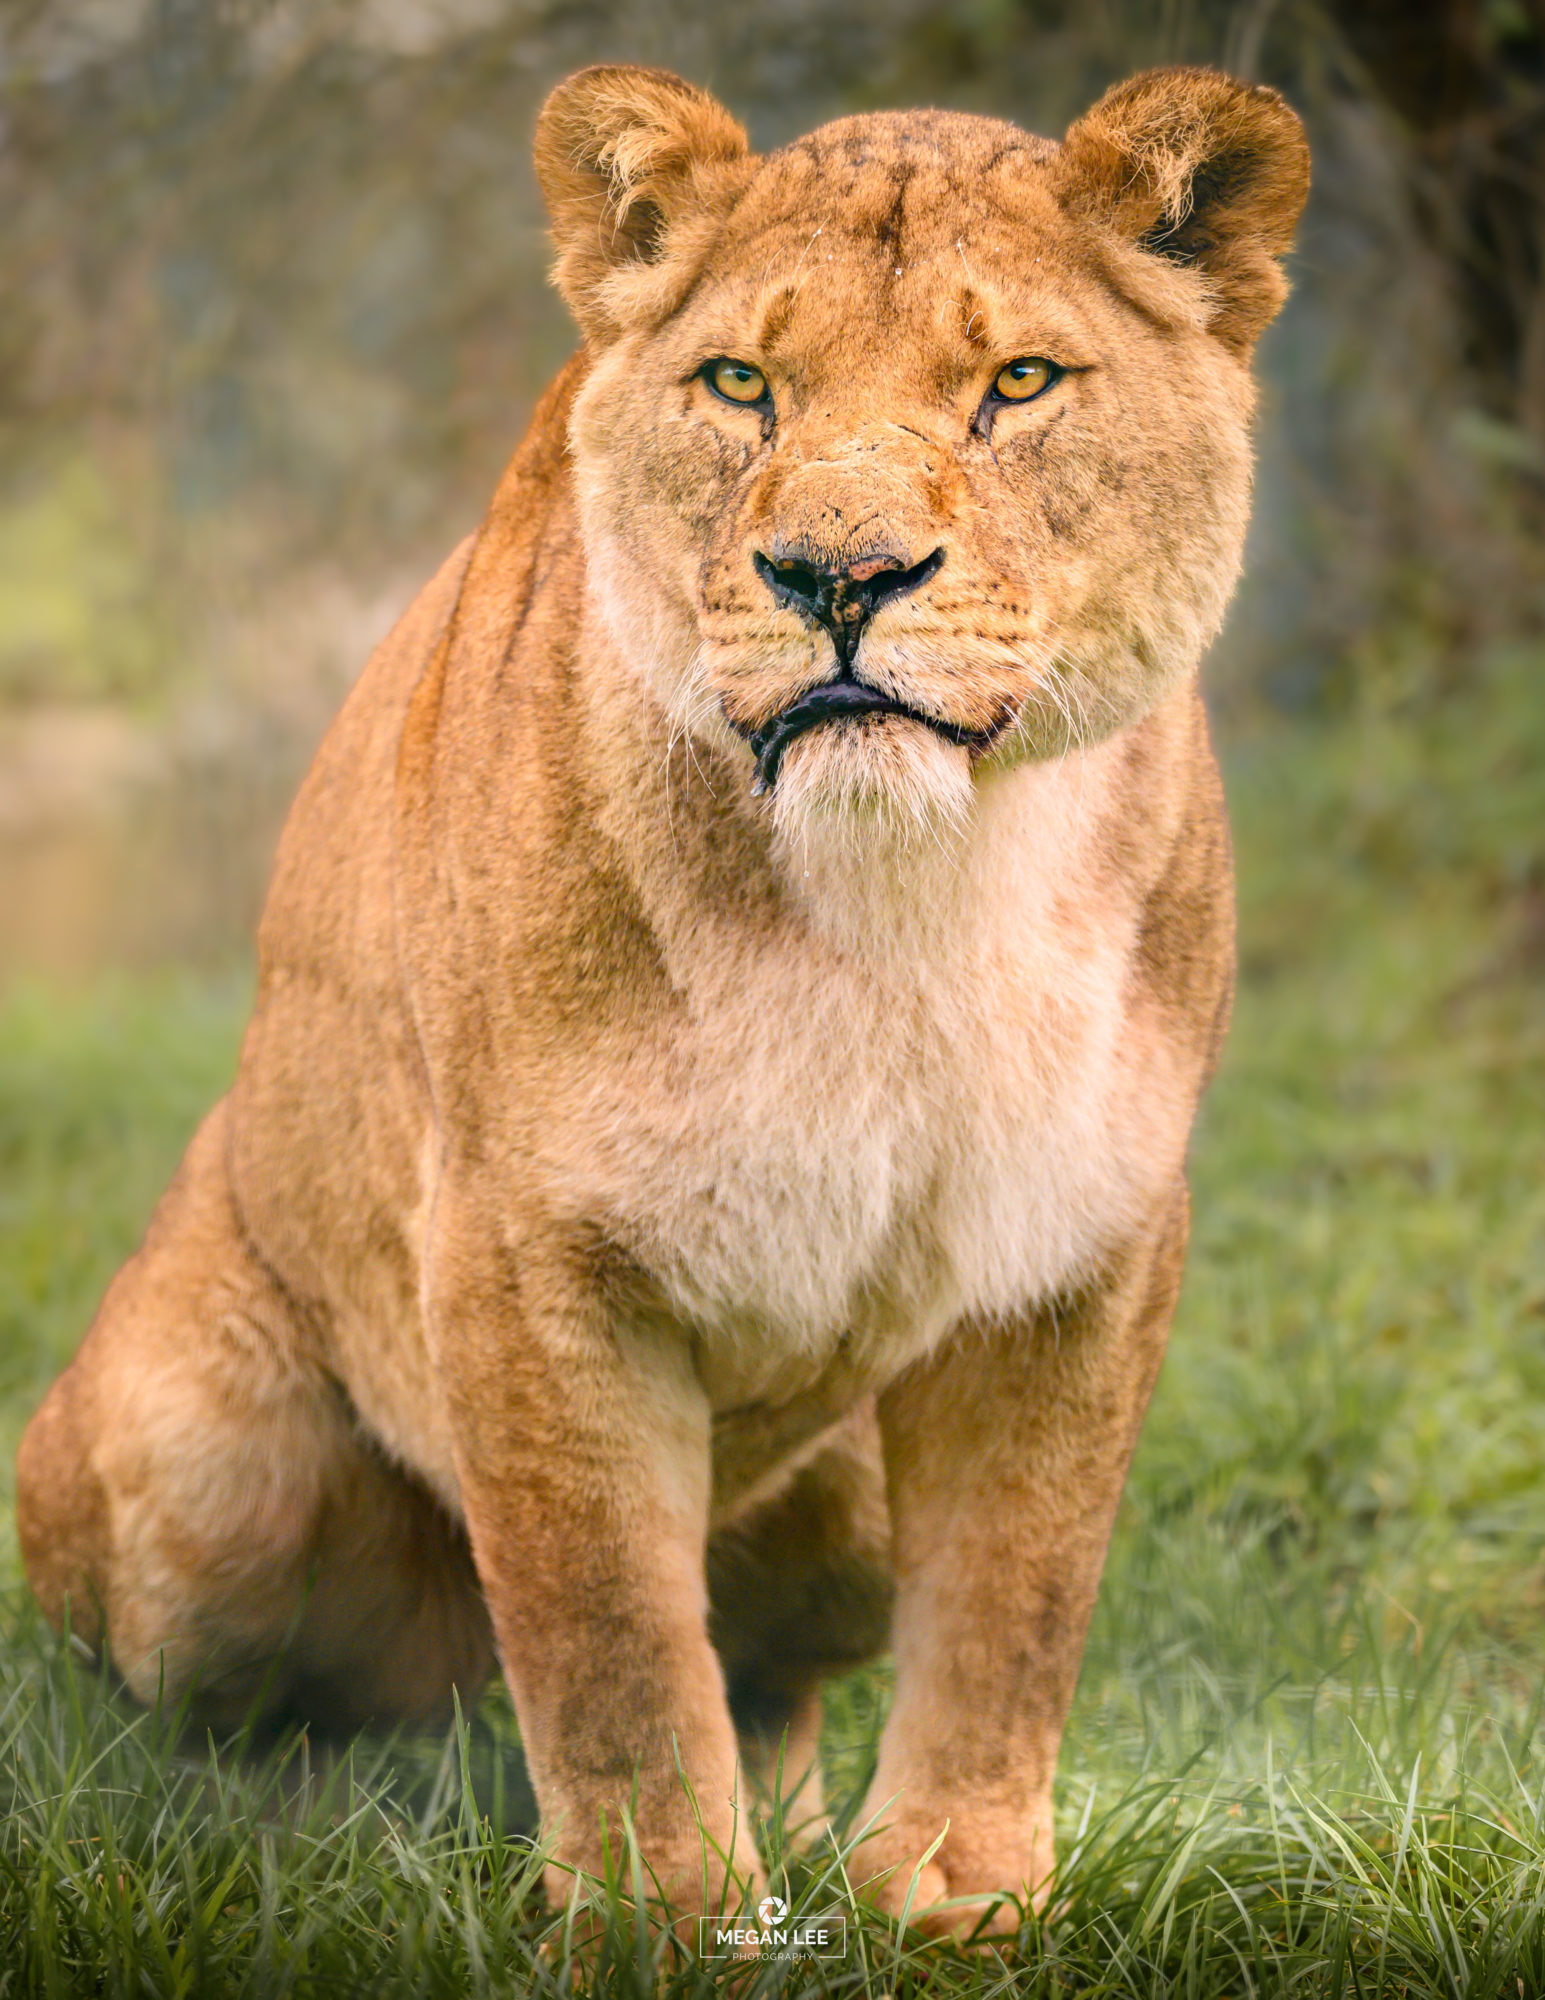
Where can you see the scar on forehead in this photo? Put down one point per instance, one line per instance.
(974, 318)
(777, 310)
(967, 313)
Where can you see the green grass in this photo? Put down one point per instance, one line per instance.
(1304, 1753)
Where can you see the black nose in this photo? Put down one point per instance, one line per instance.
(844, 599)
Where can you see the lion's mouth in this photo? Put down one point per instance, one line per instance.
(840, 700)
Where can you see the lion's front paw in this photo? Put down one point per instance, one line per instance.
(979, 1879)
(683, 1882)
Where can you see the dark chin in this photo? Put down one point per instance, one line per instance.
(841, 701)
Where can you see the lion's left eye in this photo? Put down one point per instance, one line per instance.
(737, 381)
(1022, 380)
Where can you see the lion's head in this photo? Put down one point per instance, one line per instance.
(920, 447)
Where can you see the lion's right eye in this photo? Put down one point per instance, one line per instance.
(736, 381)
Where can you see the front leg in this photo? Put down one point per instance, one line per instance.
(1006, 1452)
(582, 1446)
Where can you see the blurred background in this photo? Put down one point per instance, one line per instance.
(274, 311)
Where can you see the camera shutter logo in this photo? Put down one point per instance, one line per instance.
(774, 1937)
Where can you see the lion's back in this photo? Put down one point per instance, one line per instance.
(329, 1115)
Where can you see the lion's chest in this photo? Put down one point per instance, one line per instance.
(840, 1151)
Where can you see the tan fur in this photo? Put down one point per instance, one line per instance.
(623, 1165)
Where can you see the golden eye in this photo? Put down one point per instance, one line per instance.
(1023, 379)
(738, 381)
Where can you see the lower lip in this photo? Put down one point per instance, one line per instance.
(770, 742)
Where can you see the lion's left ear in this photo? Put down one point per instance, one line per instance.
(637, 169)
(1204, 171)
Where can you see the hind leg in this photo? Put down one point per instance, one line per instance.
(196, 1492)
(800, 1589)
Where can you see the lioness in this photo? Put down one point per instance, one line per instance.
(703, 1196)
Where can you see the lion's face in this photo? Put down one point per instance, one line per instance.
(901, 461)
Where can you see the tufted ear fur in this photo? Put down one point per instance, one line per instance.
(1202, 170)
(637, 169)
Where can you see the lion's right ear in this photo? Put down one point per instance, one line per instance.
(637, 169)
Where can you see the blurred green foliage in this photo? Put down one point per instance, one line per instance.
(81, 614)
